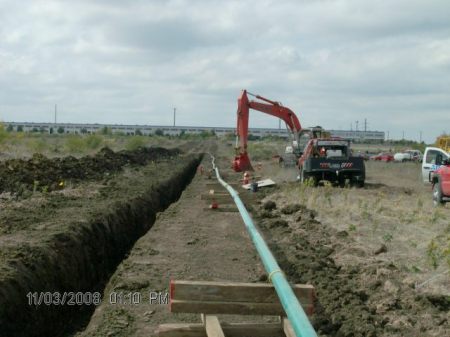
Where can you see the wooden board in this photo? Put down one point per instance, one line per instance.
(230, 330)
(218, 186)
(234, 298)
(212, 327)
(220, 198)
(287, 328)
(233, 308)
(261, 183)
(227, 198)
(222, 209)
(234, 291)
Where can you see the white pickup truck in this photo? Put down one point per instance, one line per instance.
(408, 155)
(432, 160)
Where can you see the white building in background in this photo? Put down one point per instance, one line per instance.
(144, 129)
(357, 136)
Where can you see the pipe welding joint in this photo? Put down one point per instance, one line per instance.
(273, 272)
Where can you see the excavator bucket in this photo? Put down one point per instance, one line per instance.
(242, 163)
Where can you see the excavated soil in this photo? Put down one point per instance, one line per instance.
(71, 240)
(352, 300)
(41, 173)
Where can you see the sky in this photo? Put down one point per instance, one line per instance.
(332, 62)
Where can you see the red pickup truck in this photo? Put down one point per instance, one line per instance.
(441, 183)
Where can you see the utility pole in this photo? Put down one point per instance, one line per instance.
(351, 126)
(279, 124)
(365, 124)
(55, 131)
(356, 125)
(420, 141)
(388, 135)
(174, 115)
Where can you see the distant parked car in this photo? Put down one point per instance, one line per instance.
(363, 155)
(409, 155)
(383, 156)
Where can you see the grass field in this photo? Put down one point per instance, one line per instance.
(24, 145)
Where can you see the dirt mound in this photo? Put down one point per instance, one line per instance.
(352, 300)
(44, 174)
(81, 256)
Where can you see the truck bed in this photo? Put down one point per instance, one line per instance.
(351, 164)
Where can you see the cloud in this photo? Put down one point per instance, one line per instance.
(333, 62)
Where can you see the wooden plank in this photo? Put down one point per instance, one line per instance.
(227, 196)
(261, 183)
(181, 330)
(222, 209)
(215, 194)
(232, 308)
(219, 187)
(230, 330)
(287, 328)
(235, 292)
(212, 327)
(220, 198)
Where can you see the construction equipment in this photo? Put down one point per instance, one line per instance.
(241, 161)
(443, 142)
(331, 159)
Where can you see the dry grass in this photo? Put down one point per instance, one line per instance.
(394, 209)
(24, 145)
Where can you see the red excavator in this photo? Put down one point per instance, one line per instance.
(241, 160)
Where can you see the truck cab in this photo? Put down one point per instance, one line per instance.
(433, 159)
(441, 183)
(331, 159)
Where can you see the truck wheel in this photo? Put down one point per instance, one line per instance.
(303, 176)
(437, 194)
(358, 183)
(341, 182)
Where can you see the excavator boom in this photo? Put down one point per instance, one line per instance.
(242, 161)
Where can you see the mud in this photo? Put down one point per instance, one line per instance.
(352, 300)
(44, 174)
(78, 254)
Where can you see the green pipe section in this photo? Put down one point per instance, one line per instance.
(294, 311)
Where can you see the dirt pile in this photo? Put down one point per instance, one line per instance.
(44, 174)
(352, 300)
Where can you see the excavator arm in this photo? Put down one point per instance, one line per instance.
(242, 161)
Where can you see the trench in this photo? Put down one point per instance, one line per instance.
(82, 259)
